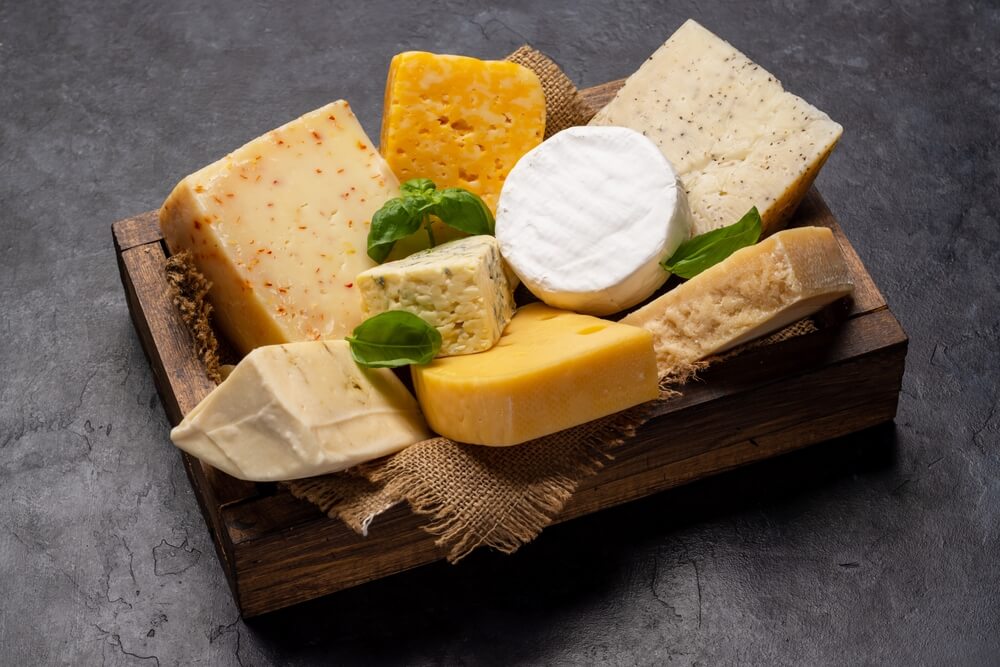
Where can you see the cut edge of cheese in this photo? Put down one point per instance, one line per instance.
(755, 291)
(715, 112)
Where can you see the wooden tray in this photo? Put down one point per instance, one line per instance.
(278, 551)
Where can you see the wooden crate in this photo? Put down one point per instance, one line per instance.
(277, 550)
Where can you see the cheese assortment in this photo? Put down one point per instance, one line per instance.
(585, 218)
(289, 227)
(297, 410)
(459, 121)
(735, 136)
(551, 370)
(279, 227)
(459, 287)
(755, 291)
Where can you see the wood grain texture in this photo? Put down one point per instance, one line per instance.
(278, 550)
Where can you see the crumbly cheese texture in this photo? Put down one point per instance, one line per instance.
(459, 287)
(459, 121)
(280, 228)
(585, 218)
(753, 292)
(735, 136)
(299, 410)
(551, 370)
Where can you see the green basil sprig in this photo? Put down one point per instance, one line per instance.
(394, 338)
(708, 249)
(420, 200)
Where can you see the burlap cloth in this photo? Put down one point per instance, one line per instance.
(470, 496)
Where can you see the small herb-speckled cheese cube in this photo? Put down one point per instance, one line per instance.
(735, 136)
(459, 121)
(460, 287)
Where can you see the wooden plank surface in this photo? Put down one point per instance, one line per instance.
(278, 550)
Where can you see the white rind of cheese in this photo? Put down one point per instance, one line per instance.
(736, 137)
(280, 228)
(585, 218)
(299, 410)
(753, 292)
(459, 287)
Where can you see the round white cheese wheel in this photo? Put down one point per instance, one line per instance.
(585, 218)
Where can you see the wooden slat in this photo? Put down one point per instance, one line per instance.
(137, 230)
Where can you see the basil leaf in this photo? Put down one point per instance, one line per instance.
(397, 218)
(394, 338)
(464, 211)
(417, 186)
(708, 249)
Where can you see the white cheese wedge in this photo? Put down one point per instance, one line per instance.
(459, 287)
(735, 136)
(753, 292)
(299, 410)
(585, 218)
(280, 228)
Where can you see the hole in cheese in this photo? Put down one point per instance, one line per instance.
(461, 126)
(586, 331)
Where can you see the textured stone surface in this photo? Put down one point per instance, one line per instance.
(883, 547)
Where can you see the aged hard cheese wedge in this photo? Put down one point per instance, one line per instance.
(459, 287)
(585, 218)
(298, 410)
(551, 370)
(756, 290)
(735, 136)
(280, 228)
(459, 121)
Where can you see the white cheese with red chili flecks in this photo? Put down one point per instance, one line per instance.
(736, 137)
(299, 410)
(460, 288)
(280, 228)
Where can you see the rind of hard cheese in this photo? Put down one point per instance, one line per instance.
(551, 370)
(459, 121)
(280, 227)
(459, 287)
(756, 290)
(298, 410)
(735, 136)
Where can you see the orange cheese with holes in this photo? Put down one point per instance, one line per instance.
(551, 370)
(459, 121)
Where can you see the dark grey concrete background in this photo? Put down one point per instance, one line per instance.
(879, 548)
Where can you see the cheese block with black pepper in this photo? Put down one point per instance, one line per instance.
(459, 287)
(280, 227)
(299, 410)
(755, 291)
(735, 136)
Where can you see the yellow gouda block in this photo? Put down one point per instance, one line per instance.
(551, 370)
(280, 228)
(753, 292)
(459, 121)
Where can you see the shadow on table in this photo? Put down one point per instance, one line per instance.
(513, 606)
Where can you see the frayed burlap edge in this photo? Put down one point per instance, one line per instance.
(188, 288)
